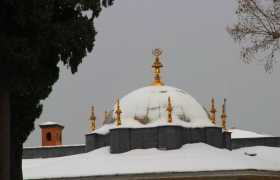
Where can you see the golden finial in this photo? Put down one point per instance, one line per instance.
(118, 113)
(213, 111)
(169, 110)
(157, 65)
(105, 116)
(224, 116)
(92, 119)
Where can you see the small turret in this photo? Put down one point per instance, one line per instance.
(51, 133)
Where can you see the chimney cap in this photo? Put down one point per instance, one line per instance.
(50, 124)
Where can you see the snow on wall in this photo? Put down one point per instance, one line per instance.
(49, 123)
(131, 123)
(239, 133)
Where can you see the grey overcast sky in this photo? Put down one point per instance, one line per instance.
(199, 57)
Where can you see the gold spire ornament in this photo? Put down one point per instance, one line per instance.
(157, 65)
(118, 113)
(105, 116)
(224, 116)
(213, 111)
(169, 110)
(92, 119)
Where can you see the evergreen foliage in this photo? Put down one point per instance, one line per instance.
(35, 36)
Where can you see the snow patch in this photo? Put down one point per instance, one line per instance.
(238, 133)
(132, 123)
(49, 123)
(191, 157)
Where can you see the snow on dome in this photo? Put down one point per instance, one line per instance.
(148, 105)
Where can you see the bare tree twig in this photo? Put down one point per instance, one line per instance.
(258, 32)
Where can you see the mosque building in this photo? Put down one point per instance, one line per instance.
(156, 132)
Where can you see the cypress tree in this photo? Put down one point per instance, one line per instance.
(35, 35)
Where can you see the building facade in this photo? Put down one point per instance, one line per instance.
(159, 118)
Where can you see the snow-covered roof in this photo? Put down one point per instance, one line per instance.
(50, 123)
(148, 105)
(131, 123)
(239, 133)
(189, 158)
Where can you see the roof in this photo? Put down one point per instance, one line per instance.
(189, 158)
(50, 124)
(131, 123)
(148, 105)
(240, 133)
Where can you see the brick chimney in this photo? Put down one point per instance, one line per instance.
(51, 133)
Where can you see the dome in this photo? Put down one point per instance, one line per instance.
(148, 105)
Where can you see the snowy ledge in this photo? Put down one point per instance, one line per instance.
(49, 123)
(56, 146)
(238, 133)
(132, 123)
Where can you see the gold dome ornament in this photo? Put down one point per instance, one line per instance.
(213, 111)
(169, 110)
(118, 113)
(157, 65)
(92, 119)
(224, 116)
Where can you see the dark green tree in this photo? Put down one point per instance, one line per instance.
(35, 36)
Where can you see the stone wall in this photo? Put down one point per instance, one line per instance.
(94, 141)
(163, 137)
(120, 140)
(144, 138)
(227, 140)
(54, 151)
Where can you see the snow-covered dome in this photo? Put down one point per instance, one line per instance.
(148, 105)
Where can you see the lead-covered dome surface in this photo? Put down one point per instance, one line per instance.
(148, 105)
